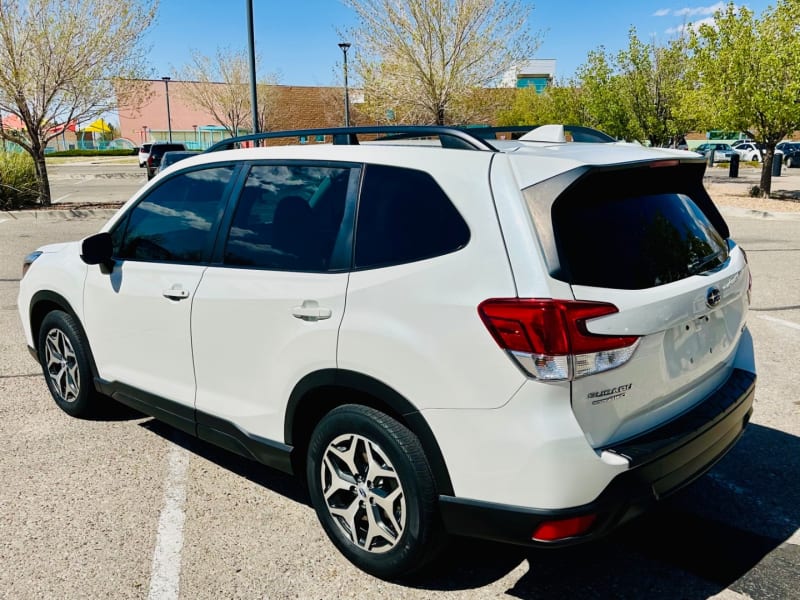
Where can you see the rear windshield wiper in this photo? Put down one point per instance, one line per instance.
(697, 267)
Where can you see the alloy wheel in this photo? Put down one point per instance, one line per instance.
(62, 366)
(363, 493)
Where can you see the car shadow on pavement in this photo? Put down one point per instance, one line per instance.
(724, 531)
(267, 477)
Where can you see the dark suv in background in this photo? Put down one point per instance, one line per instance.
(157, 150)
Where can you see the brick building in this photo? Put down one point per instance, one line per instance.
(295, 107)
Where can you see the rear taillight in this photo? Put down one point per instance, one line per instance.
(549, 338)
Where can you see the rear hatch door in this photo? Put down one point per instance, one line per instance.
(647, 238)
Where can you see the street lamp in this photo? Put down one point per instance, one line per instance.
(169, 120)
(344, 46)
(144, 134)
(196, 143)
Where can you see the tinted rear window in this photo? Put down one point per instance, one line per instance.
(608, 235)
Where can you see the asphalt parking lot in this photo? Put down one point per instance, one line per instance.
(126, 507)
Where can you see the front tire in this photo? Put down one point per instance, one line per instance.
(374, 492)
(64, 356)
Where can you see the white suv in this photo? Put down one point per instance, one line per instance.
(524, 340)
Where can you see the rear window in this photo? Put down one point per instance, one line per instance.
(634, 231)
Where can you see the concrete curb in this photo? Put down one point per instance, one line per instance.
(59, 215)
(754, 213)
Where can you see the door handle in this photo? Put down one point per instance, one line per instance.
(175, 293)
(311, 311)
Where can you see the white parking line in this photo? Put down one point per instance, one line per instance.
(165, 573)
(3, 220)
(780, 321)
(62, 198)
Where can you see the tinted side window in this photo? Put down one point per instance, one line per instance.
(404, 216)
(288, 217)
(174, 222)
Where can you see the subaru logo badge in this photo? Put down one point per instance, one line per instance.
(713, 296)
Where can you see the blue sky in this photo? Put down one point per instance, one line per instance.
(297, 39)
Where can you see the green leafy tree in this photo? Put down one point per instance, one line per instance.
(652, 86)
(748, 74)
(424, 59)
(63, 61)
(607, 107)
(558, 103)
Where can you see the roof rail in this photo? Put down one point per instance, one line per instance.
(450, 137)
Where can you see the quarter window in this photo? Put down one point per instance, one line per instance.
(404, 216)
(288, 218)
(175, 221)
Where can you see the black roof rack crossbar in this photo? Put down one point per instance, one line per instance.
(450, 137)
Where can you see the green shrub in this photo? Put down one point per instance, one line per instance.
(18, 185)
(123, 152)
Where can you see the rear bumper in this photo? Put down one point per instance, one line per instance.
(662, 461)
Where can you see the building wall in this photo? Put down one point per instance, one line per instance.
(294, 107)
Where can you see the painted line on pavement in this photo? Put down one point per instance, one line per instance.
(64, 197)
(780, 322)
(165, 573)
(3, 220)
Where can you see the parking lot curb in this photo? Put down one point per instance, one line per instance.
(58, 214)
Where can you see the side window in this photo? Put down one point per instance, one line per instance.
(288, 218)
(174, 222)
(404, 216)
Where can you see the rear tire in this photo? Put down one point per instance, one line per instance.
(374, 492)
(64, 356)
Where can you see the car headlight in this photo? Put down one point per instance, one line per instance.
(28, 261)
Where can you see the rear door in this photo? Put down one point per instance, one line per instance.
(648, 240)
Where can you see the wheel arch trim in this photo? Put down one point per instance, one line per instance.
(384, 397)
(35, 319)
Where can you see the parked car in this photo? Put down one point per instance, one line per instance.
(144, 151)
(722, 152)
(748, 151)
(791, 154)
(170, 158)
(157, 150)
(477, 337)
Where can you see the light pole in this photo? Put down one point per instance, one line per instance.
(344, 46)
(251, 45)
(196, 143)
(169, 119)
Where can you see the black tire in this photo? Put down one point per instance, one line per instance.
(64, 356)
(791, 162)
(392, 445)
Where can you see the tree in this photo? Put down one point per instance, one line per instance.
(425, 59)
(220, 85)
(748, 74)
(558, 103)
(60, 61)
(607, 107)
(652, 84)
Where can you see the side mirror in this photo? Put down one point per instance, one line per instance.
(98, 249)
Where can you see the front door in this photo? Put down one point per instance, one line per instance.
(137, 317)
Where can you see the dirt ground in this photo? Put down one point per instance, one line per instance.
(735, 192)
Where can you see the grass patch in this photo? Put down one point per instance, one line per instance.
(18, 185)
